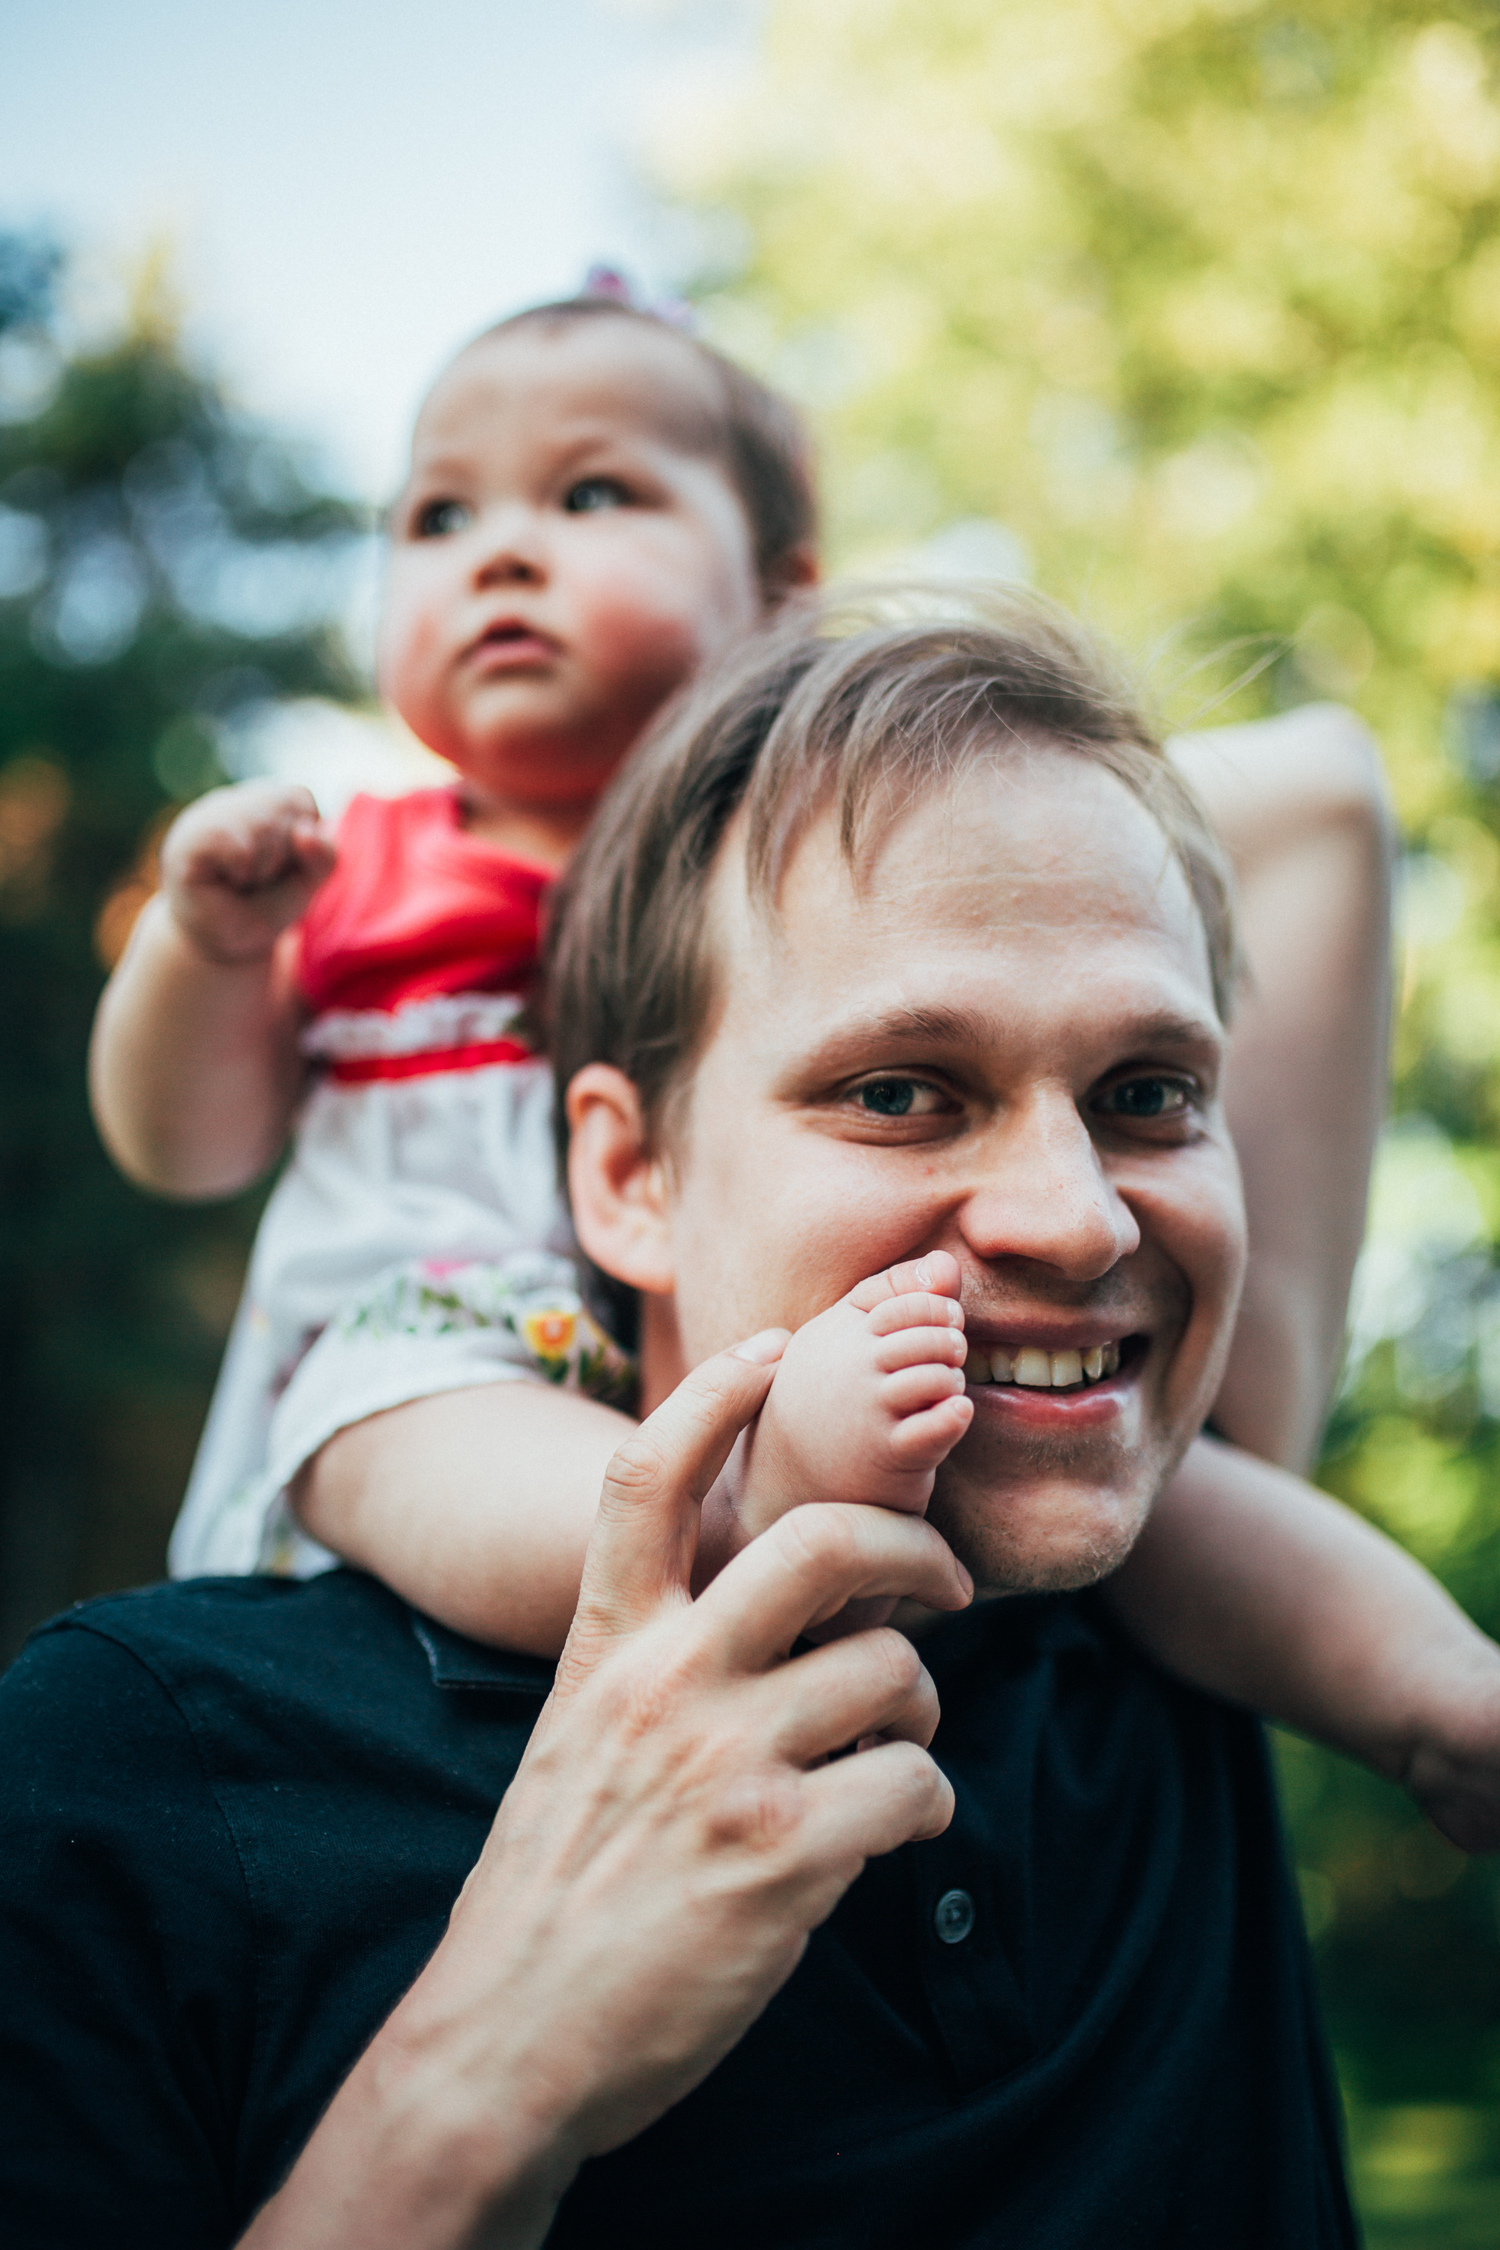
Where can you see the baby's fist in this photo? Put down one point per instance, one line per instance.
(240, 865)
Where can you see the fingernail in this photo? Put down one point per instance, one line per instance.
(762, 1349)
(923, 1274)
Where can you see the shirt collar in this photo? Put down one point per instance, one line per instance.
(459, 1663)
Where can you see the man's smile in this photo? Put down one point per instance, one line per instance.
(1039, 1368)
(1033, 1390)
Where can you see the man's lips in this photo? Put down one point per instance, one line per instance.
(1078, 1373)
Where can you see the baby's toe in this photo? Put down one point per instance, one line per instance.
(936, 1274)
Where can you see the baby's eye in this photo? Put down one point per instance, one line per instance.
(1146, 1097)
(436, 519)
(897, 1097)
(591, 493)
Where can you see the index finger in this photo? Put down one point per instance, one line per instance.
(809, 1565)
(640, 1553)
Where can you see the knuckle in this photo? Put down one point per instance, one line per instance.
(916, 1778)
(717, 1389)
(638, 1466)
(898, 1666)
(820, 1539)
(755, 1812)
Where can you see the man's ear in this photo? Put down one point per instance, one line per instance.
(616, 1185)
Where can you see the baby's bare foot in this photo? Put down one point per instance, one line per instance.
(868, 1399)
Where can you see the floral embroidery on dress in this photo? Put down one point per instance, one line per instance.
(531, 1295)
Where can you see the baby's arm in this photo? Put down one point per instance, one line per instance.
(1300, 802)
(476, 1505)
(1246, 1581)
(194, 1069)
(1250, 1583)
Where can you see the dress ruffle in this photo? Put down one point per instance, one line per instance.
(460, 1019)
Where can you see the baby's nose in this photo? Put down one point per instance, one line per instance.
(512, 550)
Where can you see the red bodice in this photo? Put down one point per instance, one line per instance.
(417, 907)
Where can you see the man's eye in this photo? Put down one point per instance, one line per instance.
(436, 519)
(897, 1097)
(1146, 1098)
(592, 493)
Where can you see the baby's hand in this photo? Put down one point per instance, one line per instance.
(868, 1399)
(240, 865)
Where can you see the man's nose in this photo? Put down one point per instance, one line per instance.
(511, 549)
(1046, 1197)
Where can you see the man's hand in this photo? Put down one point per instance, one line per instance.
(681, 1821)
(240, 865)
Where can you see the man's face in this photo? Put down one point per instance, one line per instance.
(567, 550)
(1002, 1043)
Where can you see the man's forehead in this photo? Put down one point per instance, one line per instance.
(1047, 861)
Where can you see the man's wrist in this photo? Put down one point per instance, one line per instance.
(421, 2151)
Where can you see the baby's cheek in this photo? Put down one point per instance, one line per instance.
(404, 662)
(646, 636)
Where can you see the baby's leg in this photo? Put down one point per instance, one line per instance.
(868, 1399)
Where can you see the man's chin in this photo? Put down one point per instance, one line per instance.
(1047, 1535)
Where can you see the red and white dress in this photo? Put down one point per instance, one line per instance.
(417, 1241)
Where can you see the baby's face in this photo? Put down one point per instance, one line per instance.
(567, 550)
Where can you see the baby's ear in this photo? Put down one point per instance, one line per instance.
(616, 1184)
(792, 573)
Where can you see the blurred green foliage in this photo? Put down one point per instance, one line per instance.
(1190, 310)
(165, 564)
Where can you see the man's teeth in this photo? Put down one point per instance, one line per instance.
(1037, 1370)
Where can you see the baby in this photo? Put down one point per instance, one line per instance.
(597, 506)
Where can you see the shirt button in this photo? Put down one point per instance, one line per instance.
(953, 1917)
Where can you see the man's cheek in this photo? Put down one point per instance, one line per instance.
(1220, 1231)
(1210, 1250)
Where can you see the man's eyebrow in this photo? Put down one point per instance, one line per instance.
(967, 1027)
(1160, 1027)
(1168, 1027)
(1137, 1037)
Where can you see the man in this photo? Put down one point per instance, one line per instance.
(902, 946)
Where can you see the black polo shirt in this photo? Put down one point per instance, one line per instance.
(236, 1813)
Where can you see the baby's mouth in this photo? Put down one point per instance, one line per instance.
(510, 632)
(1037, 1368)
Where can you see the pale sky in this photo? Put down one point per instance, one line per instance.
(350, 187)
